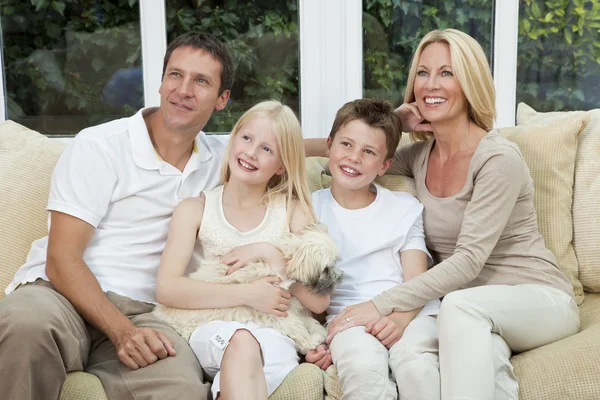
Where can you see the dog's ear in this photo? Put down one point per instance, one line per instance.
(331, 276)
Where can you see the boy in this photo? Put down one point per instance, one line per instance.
(381, 241)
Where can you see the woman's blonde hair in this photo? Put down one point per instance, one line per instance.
(292, 182)
(472, 71)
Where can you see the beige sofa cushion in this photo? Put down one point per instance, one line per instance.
(27, 160)
(567, 369)
(549, 151)
(586, 188)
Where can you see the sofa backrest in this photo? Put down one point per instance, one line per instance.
(27, 160)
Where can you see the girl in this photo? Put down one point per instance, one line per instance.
(265, 194)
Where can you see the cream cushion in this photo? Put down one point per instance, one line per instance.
(549, 151)
(27, 160)
(586, 188)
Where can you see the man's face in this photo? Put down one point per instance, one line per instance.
(189, 92)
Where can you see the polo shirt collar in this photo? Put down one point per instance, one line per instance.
(144, 154)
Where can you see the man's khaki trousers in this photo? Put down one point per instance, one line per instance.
(42, 337)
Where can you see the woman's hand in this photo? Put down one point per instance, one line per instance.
(357, 315)
(267, 298)
(411, 118)
(321, 357)
(385, 330)
(240, 256)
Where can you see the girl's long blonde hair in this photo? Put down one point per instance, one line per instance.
(292, 182)
(472, 71)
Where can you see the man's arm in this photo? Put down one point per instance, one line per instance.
(68, 239)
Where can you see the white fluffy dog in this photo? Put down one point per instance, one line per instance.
(311, 256)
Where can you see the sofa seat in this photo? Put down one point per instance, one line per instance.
(304, 382)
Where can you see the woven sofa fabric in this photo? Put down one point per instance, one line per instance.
(567, 369)
(586, 189)
(549, 151)
(27, 160)
(82, 386)
(305, 382)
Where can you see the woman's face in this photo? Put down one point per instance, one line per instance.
(437, 92)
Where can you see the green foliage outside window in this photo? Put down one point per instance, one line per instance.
(558, 64)
(559, 54)
(558, 60)
(59, 55)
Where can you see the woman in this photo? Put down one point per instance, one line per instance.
(502, 289)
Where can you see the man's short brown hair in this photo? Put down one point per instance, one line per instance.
(375, 113)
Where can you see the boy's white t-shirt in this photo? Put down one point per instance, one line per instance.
(370, 240)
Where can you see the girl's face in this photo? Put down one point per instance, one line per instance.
(254, 156)
(437, 92)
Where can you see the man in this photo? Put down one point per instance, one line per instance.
(82, 301)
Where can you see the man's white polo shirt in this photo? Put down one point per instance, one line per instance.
(111, 177)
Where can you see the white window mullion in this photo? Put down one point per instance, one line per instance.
(506, 35)
(3, 102)
(153, 30)
(330, 60)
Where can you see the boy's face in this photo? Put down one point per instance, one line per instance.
(357, 155)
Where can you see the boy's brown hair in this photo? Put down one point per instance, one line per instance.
(377, 114)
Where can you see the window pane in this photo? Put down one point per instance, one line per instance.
(559, 55)
(71, 64)
(392, 31)
(262, 36)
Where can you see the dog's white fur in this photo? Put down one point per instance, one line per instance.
(312, 256)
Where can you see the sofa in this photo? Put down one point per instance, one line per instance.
(27, 159)
(563, 152)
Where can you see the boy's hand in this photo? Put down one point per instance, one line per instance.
(356, 315)
(321, 357)
(385, 330)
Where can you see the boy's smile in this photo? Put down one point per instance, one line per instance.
(357, 155)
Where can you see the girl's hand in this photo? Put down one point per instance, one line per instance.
(240, 256)
(357, 315)
(385, 330)
(321, 357)
(411, 118)
(267, 298)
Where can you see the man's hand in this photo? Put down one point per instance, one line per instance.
(140, 347)
(240, 256)
(321, 357)
(356, 315)
(267, 298)
(385, 330)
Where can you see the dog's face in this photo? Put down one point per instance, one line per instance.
(312, 256)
